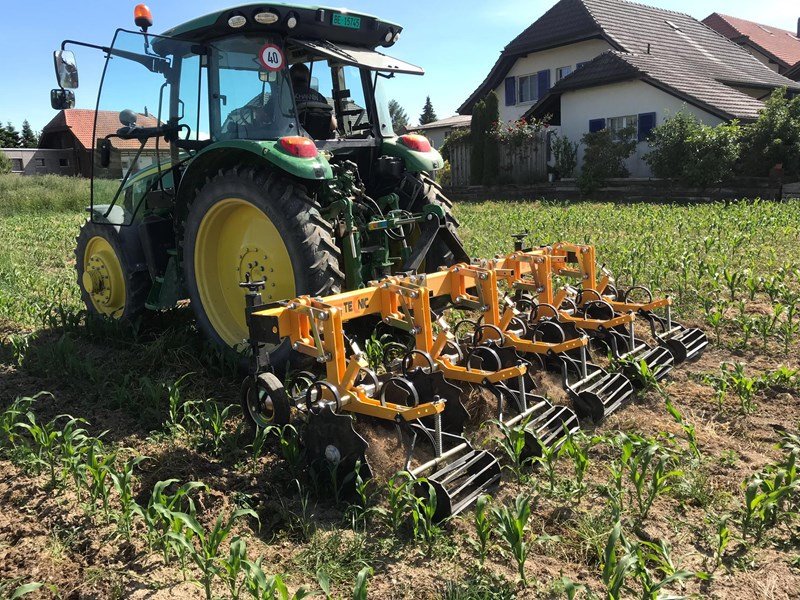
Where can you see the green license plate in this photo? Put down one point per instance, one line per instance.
(341, 20)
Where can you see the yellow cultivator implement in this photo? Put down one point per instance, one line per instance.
(518, 328)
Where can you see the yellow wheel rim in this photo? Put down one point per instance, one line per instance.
(235, 239)
(103, 278)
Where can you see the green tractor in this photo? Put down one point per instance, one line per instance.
(254, 145)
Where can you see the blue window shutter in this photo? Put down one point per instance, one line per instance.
(597, 125)
(511, 91)
(647, 122)
(544, 82)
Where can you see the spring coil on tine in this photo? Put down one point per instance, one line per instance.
(321, 385)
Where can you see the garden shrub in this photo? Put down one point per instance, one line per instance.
(604, 157)
(774, 138)
(685, 150)
(491, 158)
(5, 163)
(478, 139)
(565, 153)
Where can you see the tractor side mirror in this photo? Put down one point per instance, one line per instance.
(66, 69)
(104, 146)
(127, 117)
(61, 99)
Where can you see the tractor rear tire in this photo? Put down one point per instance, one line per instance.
(112, 282)
(254, 222)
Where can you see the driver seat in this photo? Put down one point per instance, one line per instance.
(316, 121)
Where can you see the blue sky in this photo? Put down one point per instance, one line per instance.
(456, 41)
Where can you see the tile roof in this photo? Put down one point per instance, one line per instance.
(780, 44)
(671, 49)
(454, 121)
(80, 121)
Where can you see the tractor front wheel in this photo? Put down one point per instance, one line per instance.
(253, 224)
(110, 283)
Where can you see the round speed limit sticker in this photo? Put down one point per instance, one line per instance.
(271, 57)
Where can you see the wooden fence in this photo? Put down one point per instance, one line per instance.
(527, 164)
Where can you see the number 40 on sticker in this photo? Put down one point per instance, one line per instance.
(271, 57)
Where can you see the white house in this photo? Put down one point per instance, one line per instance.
(438, 131)
(593, 64)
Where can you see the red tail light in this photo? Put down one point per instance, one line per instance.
(299, 146)
(415, 142)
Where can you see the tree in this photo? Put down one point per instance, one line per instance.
(604, 157)
(399, 117)
(477, 139)
(29, 138)
(9, 136)
(491, 116)
(428, 114)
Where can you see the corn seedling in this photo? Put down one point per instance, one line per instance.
(512, 523)
(423, 510)
(362, 579)
(73, 443)
(203, 547)
(767, 495)
(10, 419)
(576, 447)
(722, 539)
(257, 446)
(616, 566)
(483, 527)
(547, 460)
(233, 567)
(654, 568)
(45, 439)
(123, 484)
(98, 465)
(289, 442)
(398, 496)
(688, 428)
(512, 443)
(261, 587)
(362, 510)
(648, 468)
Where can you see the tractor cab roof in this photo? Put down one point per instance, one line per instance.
(335, 25)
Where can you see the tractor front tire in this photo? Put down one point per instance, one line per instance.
(112, 283)
(252, 223)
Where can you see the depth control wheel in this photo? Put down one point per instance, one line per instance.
(265, 401)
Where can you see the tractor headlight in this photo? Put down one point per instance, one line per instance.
(237, 21)
(389, 36)
(266, 18)
(396, 37)
(291, 22)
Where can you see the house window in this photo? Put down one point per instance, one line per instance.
(16, 165)
(63, 162)
(528, 88)
(39, 162)
(580, 64)
(617, 124)
(562, 72)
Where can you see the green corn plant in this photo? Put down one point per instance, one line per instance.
(733, 280)
(397, 498)
(10, 419)
(483, 526)
(291, 451)
(716, 318)
(233, 567)
(575, 446)
(73, 443)
(654, 568)
(747, 325)
(722, 539)
(122, 478)
(423, 509)
(261, 587)
(570, 588)
(616, 566)
(512, 443)
(362, 579)
(364, 508)
(688, 428)
(512, 523)
(767, 495)
(98, 465)
(212, 423)
(259, 441)
(648, 468)
(547, 460)
(45, 440)
(159, 514)
(203, 547)
(176, 412)
(745, 387)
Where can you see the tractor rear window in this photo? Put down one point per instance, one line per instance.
(254, 100)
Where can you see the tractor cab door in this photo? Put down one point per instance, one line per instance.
(140, 114)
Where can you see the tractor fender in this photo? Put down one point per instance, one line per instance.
(234, 153)
(415, 162)
(128, 234)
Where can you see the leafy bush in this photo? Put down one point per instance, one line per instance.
(774, 138)
(565, 153)
(5, 164)
(604, 157)
(693, 153)
(477, 138)
(462, 135)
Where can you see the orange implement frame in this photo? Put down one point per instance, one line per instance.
(582, 256)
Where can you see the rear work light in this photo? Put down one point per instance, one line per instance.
(415, 142)
(299, 146)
